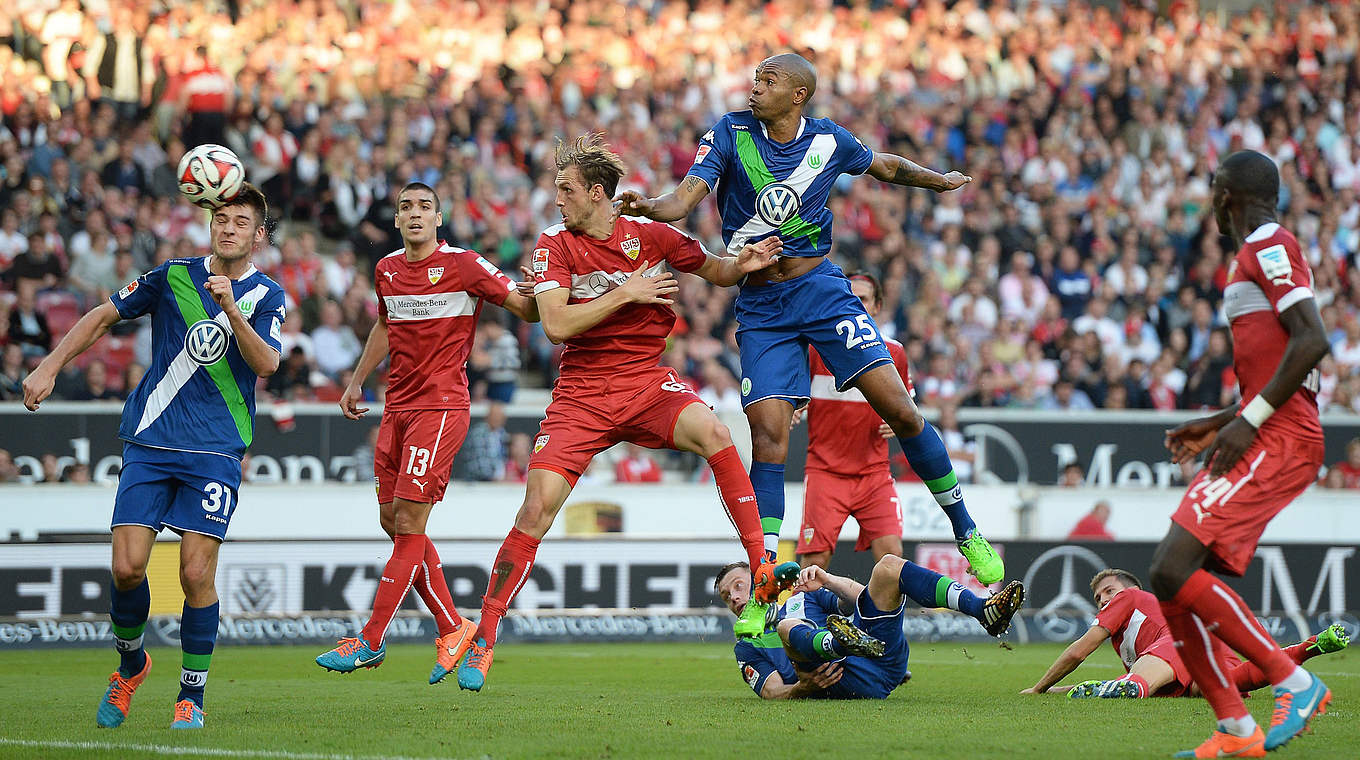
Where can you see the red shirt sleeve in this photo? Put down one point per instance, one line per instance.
(551, 265)
(683, 253)
(377, 288)
(899, 356)
(1115, 615)
(1279, 269)
(484, 279)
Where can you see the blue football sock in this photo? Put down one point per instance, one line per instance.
(197, 635)
(930, 589)
(929, 459)
(128, 610)
(814, 644)
(767, 480)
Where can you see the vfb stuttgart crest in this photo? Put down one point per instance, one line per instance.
(206, 341)
(435, 273)
(632, 247)
(777, 203)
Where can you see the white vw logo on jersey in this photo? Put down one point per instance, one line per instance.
(206, 341)
(777, 203)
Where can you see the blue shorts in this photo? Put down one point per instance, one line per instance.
(181, 490)
(777, 322)
(865, 678)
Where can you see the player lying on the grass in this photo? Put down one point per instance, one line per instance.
(215, 329)
(1132, 620)
(803, 648)
(603, 289)
(430, 296)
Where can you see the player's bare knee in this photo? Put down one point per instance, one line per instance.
(787, 625)
(889, 567)
(769, 446)
(127, 574)
(533, 518)
(196, 577)
(906, 421)
(716, 437)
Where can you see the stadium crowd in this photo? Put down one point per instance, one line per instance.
(1081, 269)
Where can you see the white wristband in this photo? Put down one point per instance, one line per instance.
(1257, 412)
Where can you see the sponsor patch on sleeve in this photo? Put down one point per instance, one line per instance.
(540, 263)
(1275, 263)
(276, 329)
(749, 674)
(127, 289)
(702, 153)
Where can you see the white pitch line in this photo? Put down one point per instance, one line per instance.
(165, 749)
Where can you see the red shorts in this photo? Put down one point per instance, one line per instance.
(1228, 514)
(588, 415)
(415, 453)
(829, 498)
(1165, 649)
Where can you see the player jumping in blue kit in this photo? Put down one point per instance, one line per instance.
(215, 326)
(773, 170)
(817, 653)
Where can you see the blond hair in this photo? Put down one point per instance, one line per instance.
(597, 163)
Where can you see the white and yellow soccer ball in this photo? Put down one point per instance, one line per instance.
(211, 176)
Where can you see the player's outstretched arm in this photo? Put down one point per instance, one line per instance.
(1306, 347)
(888, 167)
(563, 321)
(726, 271)
(1075, 654)
(375, 350)
(677, 204)
(525, 306)
(97, 321)
(259, 355)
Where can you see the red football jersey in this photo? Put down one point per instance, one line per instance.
(1266, 277)
(633, 336)
(1135, 622)
(431, 307)
(842, 428)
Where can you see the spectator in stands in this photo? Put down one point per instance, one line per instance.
(636, 466)
(37, 265)
(363, 456)
(1072, 476)
(51, 468)
(503, 361)
(13, 370)
(293, 379)
(1346, 473)
(132, 375)
(1346, 350)
(1208, 381)
(9, 473)
(1066, 397)
(95, 386)
(487, 447)
(1093, 526)
(334, 342)
(12, 241)
(28, 326)
(76, 472)
(517, 463)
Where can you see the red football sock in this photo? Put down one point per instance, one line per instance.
(513, 563)
(1225, 614)
(739, 501)
(397, 576)
(434, 591)
(1143, 690)
(1248, 677)
(1196, 650)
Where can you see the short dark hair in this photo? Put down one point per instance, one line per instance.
(252, 197)
(419, 186)
(725, 569)
(1125, 577)
(876, 292)
(1251, 174)
(598, 164)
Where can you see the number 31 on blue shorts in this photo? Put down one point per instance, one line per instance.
(180, 490)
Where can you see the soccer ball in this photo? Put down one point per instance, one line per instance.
(210, 176)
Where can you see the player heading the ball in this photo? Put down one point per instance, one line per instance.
(215, 327)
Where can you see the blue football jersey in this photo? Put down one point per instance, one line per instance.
(765, 187)
(761, 657)
(199, 393)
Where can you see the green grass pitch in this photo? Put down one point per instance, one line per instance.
(615, 701)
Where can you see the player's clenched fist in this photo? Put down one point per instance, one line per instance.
(349, 402)
(641, 287)
(219, 287)
(38, 386)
